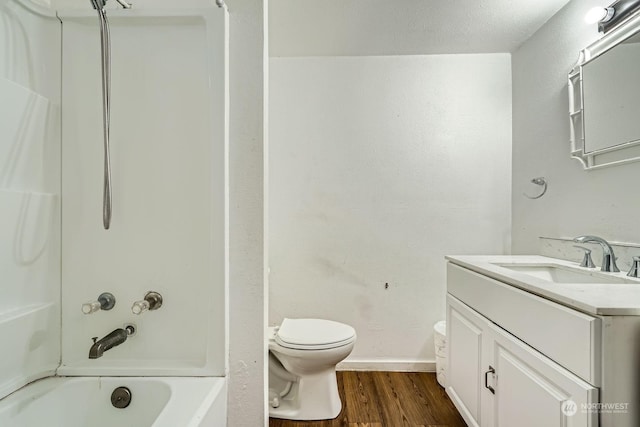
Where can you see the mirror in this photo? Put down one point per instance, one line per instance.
(604, 99)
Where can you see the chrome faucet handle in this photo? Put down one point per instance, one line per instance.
(586, 260)
(152, 301)
(106, 301)
(608, 257)
(635, 266)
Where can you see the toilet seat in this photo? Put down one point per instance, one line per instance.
(313, 334)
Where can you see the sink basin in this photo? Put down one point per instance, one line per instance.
(562, 274)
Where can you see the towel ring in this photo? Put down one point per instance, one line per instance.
(538, 181)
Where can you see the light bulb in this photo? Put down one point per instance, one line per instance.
(599, 14)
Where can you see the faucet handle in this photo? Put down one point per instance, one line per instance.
(152, 301)
(106, 301)
(139, 307)
(91, 307)
(586, 260)
(635, 267)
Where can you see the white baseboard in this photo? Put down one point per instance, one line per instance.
(387, 365)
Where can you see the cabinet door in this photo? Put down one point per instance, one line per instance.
(465, 345)
(532, 391)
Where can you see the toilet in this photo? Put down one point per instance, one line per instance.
(303, 354)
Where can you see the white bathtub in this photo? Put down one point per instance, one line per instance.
(86, 402)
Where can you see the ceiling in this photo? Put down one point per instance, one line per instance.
(403, 27)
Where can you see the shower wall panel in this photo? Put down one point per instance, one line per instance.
(169, 169)
(29, 194)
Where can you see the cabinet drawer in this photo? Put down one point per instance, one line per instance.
(566, 336)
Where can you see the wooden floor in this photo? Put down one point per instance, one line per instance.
(388, 399)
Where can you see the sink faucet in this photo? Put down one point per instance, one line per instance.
(115, 338)
(608, 257)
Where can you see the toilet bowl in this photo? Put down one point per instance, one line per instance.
(303, 354)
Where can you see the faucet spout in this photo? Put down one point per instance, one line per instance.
(114, 339)
(608, 257)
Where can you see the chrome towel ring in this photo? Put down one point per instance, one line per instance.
(541, 181)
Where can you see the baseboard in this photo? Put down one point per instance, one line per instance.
(387, 365)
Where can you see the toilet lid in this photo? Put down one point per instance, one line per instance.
(313, 333)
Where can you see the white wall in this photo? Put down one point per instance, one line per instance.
(247, 201)
(578, 202)
(407, 27)
(379, 166)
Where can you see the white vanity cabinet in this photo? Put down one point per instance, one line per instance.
(468, 342)
(497, 378)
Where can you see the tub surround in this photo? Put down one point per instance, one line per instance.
(30, 200)
(606, 299)
(169, 191)
(170, 224)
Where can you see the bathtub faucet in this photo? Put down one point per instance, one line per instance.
(115, 338)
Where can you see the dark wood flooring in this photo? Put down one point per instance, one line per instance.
(388, 399)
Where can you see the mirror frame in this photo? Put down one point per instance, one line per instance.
(610, 156)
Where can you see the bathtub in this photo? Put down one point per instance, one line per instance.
(86, 402)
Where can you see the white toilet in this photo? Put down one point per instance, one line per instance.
(303, 354)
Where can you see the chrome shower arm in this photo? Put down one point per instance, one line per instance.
(124, 4)
(100, 4)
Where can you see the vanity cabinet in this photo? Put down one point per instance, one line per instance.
(467, 343)
(496, 377)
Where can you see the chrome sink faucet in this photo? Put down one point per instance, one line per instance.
(115, 338)
(608, 257)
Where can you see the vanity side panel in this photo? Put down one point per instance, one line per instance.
(568, 337)
(620, 371)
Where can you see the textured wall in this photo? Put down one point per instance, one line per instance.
(407, 27)
(597, 202)
(380, 166)
(247, 199)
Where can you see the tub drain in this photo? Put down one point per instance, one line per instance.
(121, 397)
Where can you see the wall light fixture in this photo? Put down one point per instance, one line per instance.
(613, 15)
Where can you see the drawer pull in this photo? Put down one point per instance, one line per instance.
(486, 381)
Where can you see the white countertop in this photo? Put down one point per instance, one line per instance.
(603, 299)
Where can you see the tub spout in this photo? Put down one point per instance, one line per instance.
(115, 338)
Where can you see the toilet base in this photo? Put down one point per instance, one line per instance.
(312, 397)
